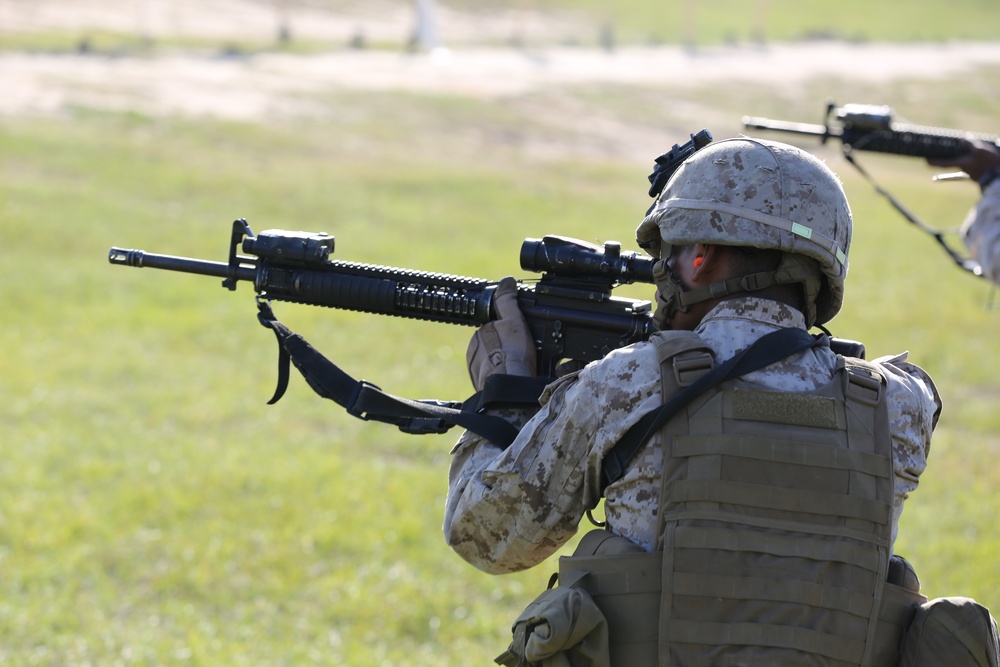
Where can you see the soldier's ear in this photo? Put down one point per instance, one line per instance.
(706, 260)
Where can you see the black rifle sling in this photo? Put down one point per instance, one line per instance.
(367, 401)
(966, 263)
(773, 347)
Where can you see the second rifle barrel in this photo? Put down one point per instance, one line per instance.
(757, 123)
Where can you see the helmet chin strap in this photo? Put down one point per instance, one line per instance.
(668, 295)
(674, 298)
(716, 290)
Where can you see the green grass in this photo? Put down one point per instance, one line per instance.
(152, 506)
(153, 509)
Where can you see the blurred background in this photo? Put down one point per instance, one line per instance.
(153, 509)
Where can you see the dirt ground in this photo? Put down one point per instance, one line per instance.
(193, 83)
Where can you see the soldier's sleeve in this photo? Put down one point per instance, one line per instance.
(914, 408)
(981, 231)
(508, 510)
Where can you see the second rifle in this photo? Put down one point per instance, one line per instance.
(866, 127)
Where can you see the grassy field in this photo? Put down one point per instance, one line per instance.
(153, 509)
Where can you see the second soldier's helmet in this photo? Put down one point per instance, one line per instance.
(762, 194)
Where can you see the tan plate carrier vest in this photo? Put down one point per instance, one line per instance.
(775, 528)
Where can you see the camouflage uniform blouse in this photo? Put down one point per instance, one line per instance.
(981, 231)
(509, 510)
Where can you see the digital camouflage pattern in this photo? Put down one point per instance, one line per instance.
(981, 232)
(510, 510)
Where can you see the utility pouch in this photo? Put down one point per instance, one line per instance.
(897, 608)
(953, 631)
(626, 588)
(562, 627)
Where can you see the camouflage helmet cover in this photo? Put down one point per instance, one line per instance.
(763, 194)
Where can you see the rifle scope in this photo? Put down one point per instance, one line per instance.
(571, 257)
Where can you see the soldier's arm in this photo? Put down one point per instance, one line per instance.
(508, 510)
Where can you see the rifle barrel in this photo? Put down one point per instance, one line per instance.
(141, 259)
(757, 123)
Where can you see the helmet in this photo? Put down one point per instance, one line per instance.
(762, 194)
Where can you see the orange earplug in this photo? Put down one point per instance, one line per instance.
(698, 261)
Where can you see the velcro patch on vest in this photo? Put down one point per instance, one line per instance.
(783, 407)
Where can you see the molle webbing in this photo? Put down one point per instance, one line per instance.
(776, 522)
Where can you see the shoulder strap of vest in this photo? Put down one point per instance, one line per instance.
(863, 374)
(685, 355)
(773, 347)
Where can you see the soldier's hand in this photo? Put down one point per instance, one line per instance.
(981, 157)
(503, 345)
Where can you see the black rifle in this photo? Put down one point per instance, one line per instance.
(871, 128)
(864, 127)
(570, 310)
